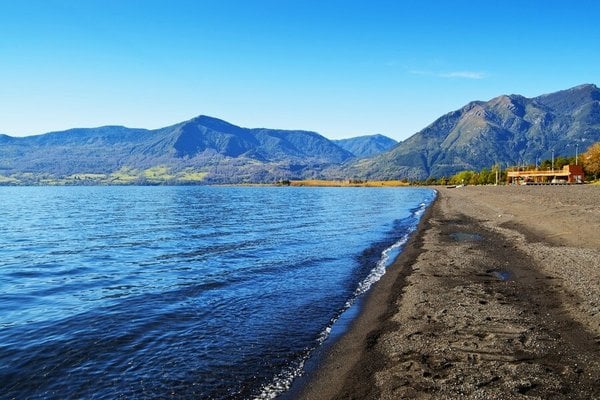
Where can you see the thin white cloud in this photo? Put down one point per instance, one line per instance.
(464, 74)
(452, 74)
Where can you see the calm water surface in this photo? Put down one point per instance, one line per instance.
(183, 292)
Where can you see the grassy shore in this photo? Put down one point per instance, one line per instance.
(347, 183)
(497, 296)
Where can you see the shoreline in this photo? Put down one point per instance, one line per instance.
(480, 304)
(327, 376)
(344, 327)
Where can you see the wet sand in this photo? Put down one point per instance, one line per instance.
(497, 296)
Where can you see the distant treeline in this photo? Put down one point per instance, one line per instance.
(590, 161)
(164, 175)
(487, 176)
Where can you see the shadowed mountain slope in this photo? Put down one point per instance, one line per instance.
(226, 152)
(509, 130)
(366, 146)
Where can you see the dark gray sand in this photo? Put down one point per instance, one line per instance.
(496, 297)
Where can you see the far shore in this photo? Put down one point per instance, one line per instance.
(496, 296)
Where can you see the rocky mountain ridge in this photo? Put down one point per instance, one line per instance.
(210, 148)
(506, 130)
(509, 130)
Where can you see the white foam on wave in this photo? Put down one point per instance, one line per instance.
(387, 257)
(283, 381)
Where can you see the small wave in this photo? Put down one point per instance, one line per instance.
(283, 381)
(387, 256)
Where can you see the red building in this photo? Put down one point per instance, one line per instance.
(568, 174)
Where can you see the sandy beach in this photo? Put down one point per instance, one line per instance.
(497, 296)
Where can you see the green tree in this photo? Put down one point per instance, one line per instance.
(559, 162)
(546, 164)
(463, 178)
(497, 172)
(431, 181)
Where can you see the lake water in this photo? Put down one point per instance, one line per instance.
(183, 292)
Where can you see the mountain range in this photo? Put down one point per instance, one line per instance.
(508, 130)
(202, 149)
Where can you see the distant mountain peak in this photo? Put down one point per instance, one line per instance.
(211, 122)
(585, 86)
(582, 89)
(366, 145)
(510, 129)
(502, 99)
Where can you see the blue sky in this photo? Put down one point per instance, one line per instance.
(341, 68)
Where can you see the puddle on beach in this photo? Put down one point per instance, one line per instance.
(502, 275)
(466, 236)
